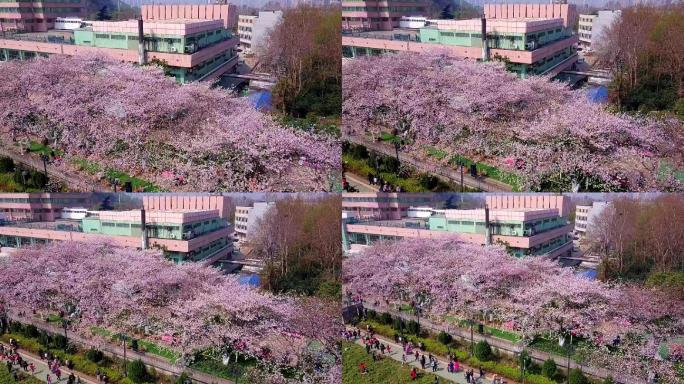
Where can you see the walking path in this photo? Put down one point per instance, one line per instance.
(458, 377)
(160, 364)
(72, 181)
(42, 370)
(445, 173)
(508, 346)
(358, 183)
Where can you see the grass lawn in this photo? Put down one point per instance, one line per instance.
(6, 378)
(386, 370)
(233, 371)
(7, 184)
(496, 332)
(148, 346)
(92, 168)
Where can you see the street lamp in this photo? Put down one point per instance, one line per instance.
(561, 342)
(45, 159)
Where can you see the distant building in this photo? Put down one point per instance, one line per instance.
(382, 206)
(254, 30)
(195, 41)
(379, 16)
(585, 217)
(535, 39)
(527, 227)
(247, 219)
(194, 233)
(591, 28)
(38, 16)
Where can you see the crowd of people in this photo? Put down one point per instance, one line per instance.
(12, 358)
(411, 353)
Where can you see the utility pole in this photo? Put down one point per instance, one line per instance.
(488, 234)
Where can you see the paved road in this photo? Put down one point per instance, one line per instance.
(358, 183)
(72, 181)
(160, 364)
(42, 371)
(445, 173)
(508, 346)
(458, 377)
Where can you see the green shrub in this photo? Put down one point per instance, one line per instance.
(94, 355)
(549, 368)
(398, 324)
(577, 377)
(413, 327)
(137, 371)
(16, 327)
(483, 351)
(386, 318)
(444, 338)
(6, 165)
(31, 331)
(371, 314)
(608, 380)
(183, 379)
(59, 341)
(134, 344)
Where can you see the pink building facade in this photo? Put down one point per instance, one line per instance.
(379, 15)
(530, 201)
(567, 12)
(39, 206)
(383, 206)
(37, 16)
(227, 13)
(186, 202)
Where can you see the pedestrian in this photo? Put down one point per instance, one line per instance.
(422, 361)
(32, 367)
(71, 379)
(58, 373)
(389, 349)
(414, 374)
(436, 379)
(416, 354)
(15, 376)
(382, 348)
(9, 366)
(403, 358)
(367, 348)
(362, 368)
(482, 372)
(434, 365)
(49, 379)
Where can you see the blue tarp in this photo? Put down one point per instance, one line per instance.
(598, 94)
(251, 279)
(589, 274)
(261, 100)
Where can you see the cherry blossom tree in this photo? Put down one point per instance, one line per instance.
(534, 295)
(142, 293)
(181, 137)
(550, 136)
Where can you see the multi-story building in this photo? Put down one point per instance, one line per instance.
(37, 16)
(383, 206)
(16, 207)
(592, 28)
(585, 216)
(531, 43)
(192, 48)
(368, 15)
(530, 231)
(254, 30)
(200, 235)
(226, 13)
(245, 27)
(584, 29)
(247, 219)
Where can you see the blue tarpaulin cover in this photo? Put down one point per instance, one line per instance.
(252, 279)
(598, 94)
(261, 100)
(589, 274)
